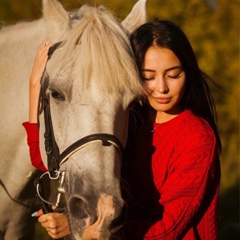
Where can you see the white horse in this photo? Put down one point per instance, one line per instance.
(92, 80)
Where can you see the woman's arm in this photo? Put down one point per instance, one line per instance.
(34, 90)
(34, 82)
(55, 223)
(189, 191)
(33, 143)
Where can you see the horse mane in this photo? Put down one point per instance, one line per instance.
(100, 48)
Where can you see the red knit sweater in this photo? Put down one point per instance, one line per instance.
(173, 180)
(33, 143)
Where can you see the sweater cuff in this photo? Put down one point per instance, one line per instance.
(32, 131)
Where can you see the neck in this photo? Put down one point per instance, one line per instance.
(161, 116)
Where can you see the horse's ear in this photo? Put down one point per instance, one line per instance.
(56, 16)
(136, 17)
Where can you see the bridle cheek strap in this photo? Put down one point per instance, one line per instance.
(51, 146)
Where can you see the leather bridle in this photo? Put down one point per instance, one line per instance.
(55, 159)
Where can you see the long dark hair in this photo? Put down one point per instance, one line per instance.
(163, 33)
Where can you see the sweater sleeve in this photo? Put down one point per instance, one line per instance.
(191, 173)
(33, 143)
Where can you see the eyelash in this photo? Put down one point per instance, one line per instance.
(175, 76)
(147, 79)
(152, 78)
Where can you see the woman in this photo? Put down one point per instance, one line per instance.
(172, 172)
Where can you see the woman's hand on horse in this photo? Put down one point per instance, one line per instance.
(34, 81)
(56, 224)
(40, 63)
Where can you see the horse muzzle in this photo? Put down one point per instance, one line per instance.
(96, 220)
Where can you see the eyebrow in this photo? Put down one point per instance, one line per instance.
(167, 70)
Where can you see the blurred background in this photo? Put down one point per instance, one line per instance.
(212, 27)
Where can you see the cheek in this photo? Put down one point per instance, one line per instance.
(182, 88)
(148, 89)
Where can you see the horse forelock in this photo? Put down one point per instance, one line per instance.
(98, 49)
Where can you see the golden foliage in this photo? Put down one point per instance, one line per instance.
(214, 34)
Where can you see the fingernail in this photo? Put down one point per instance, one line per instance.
(34, 214)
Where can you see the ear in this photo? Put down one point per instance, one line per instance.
(56, 16)
(137, 16)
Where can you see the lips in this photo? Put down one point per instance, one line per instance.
(162, 100)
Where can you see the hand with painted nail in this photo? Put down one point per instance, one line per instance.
(56, 224)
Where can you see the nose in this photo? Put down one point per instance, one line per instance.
(78, 208)
(161, 85)
(107, 210)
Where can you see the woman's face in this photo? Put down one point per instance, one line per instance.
(164, 79)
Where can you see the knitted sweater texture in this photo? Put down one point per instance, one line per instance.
(173, 177)
(33, 143)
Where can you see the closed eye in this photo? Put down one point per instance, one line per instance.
(175, 72)
(148, 75)
(175, 76)
(148, 78)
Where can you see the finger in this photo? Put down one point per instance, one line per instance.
(50, 220)
(56, 225)
(56, 234)
(53, 220)
(44, 219)
(52, 230)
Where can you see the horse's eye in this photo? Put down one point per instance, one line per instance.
(58, 96)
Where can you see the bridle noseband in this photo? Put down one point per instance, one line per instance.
(105, 138)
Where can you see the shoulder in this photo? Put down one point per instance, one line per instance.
(191, 131)
(192, 124)
(186, 130)
(195, 141)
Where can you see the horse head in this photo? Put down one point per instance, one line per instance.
(92, 80)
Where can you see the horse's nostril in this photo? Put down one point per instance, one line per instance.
(78, 208)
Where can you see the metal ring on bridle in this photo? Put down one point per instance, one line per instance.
(59, 176)
(38, 186)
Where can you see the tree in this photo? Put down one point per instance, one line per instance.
(213, 31)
